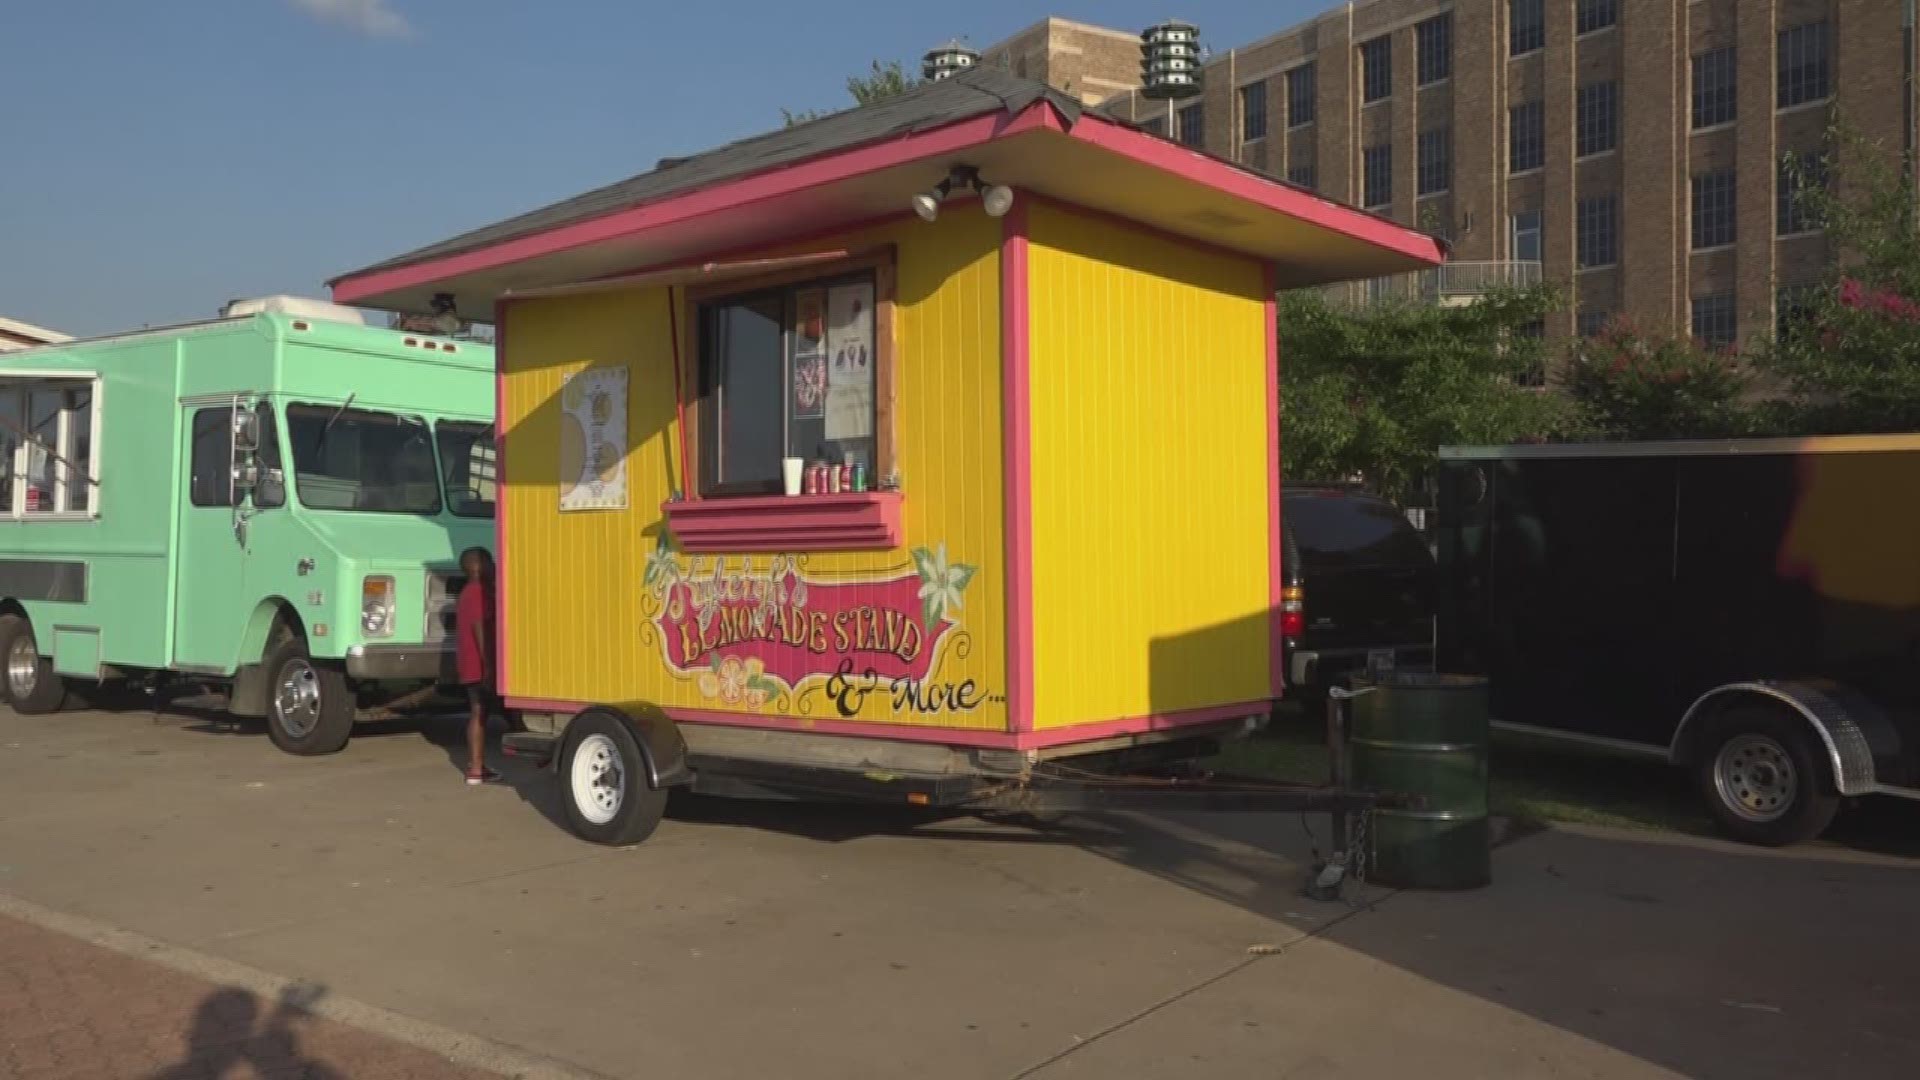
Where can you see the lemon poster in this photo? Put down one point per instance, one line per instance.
(593, 440)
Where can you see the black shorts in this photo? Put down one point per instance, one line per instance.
(482, 695)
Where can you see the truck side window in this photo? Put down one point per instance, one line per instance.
(51, 420)
(212, 476)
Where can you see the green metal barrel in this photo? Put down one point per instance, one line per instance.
(1426, 736)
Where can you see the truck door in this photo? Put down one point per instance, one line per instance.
(210, 607)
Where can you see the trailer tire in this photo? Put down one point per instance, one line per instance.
(603, 782)
(1765, 778)
(310, 706)
(31, 686)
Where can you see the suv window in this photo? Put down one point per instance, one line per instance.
(1352, 530)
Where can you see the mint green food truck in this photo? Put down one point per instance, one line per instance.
(272, 503)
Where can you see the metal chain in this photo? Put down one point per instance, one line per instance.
(1357, 861)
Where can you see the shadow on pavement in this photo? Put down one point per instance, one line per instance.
(229, 1031)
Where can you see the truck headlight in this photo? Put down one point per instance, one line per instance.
(376, 607)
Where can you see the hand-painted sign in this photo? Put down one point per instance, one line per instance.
(751, 636)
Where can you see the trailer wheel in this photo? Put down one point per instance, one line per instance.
(31, 685)
(1765, 778)
(309, 706)
(603, 782)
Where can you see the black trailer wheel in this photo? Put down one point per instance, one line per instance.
(1766, 779)
(309, 706)
(31, 686)
(603, 782)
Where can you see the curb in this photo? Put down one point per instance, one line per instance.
(460, 1048)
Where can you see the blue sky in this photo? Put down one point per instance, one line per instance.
(161, 157)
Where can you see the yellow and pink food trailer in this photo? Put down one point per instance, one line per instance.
(913, 447)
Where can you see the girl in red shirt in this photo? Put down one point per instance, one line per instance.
(473, 654)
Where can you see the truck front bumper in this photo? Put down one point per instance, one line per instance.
(401, 662)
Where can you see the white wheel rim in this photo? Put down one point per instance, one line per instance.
(599, 781)
(1755, 778)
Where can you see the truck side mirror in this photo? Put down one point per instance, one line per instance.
(246, 476)
(246, 430)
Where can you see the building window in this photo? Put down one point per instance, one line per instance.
(46, 435)
(1596, 231)
(1590, 323)
(1591, 15)
(793, 371)
(1300, 91)
(1713, 322)
(1713, 209)
(1156, 125)
(1526, 137)
(1436, 160)
(1714, 100)
(1376, 69)
(1793, 213)
(1377, 174)
(1596, 118)
(1303, 176)
(1433, 48)
(1526, 231)
(1253, 111)
(1526, 26)
(1804, 64)
(1193, 125)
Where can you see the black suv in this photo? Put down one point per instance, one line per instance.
(1358, 588)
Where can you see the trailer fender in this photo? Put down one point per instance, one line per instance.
(661, 743)
(269, 618)
(1852, 728)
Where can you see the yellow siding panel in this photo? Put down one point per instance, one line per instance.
(1149, 474)
(581, 619)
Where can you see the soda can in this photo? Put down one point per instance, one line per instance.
(846, 477)
(859, 476)
(812, 485)
(832, 486)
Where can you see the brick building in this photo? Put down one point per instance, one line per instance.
(1629, 149)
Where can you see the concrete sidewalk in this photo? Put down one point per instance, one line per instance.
(757, 940)
(70, 1010)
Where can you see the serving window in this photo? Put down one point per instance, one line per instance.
(792, 369)
(792, 375)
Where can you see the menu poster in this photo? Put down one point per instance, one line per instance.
(850, 348)
(809, 356)
(593, 440)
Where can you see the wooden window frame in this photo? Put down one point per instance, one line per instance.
(739, 522)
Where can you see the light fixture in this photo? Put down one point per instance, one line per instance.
(995, 199)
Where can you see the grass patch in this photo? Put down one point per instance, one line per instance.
(1530, 779)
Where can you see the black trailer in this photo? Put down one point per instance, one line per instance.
(1747, 609)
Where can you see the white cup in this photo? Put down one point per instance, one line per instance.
(791, 470)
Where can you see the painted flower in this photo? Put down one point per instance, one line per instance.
(941, 583)
(733, 680)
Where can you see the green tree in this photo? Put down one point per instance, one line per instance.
(888, 78)
(1849, 349)
(1631, 384)
(1375, 392)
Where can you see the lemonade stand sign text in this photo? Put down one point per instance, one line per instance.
(764, 637)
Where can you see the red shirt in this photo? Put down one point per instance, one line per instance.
(475, 608)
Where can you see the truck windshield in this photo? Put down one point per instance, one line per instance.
(358, 459)
(466, 464)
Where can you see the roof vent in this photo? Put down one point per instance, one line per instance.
(294, 305)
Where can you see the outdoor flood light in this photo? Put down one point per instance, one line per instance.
(996, 199)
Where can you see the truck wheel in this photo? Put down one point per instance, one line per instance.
(603, 782)
(1766, 779)
(31, 686)
(309, 706)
